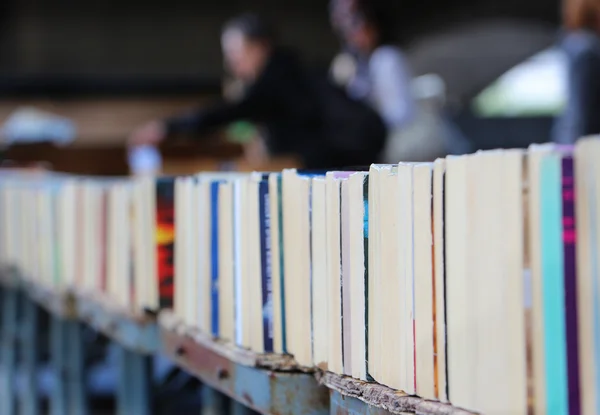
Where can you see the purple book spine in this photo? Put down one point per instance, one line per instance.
(570, 276)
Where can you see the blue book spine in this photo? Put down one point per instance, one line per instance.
(237, 261)
(266, 270)
(214, 253)
(553, 287)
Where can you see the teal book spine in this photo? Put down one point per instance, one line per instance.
(553, 286)
(281, 262)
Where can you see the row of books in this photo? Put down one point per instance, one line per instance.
(472, 280)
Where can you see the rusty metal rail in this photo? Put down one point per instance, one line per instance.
(352, 396)
(277, 386)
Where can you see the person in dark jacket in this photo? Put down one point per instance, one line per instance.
(282, 97)
(581, 45)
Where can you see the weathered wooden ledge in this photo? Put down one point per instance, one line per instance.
(379, 396)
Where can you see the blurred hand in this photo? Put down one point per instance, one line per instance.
(150, 134)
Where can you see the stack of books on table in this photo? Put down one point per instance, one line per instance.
(472, 279)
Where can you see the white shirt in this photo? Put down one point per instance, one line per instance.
(386, 85)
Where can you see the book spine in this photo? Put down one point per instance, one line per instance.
(237, 255)
(366, 265)
(132, 248)
(593, 206)
(553, 285)
(56, 237)
(266, 272)
(570, 281)
(103, 240)
(345, 280)
(79, 247)
(446, 391)
(214, 238)
(435, 289)
(203, 254)
(165, 241)
(281, 263)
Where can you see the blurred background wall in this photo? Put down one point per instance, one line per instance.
(111, 64)
(181, 37)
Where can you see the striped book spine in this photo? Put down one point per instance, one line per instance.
(570, 281)
(266, 271)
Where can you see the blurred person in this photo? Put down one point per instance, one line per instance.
(382, 78)
(302, 116)
(412, 109)
(581, 46)
(386, 81)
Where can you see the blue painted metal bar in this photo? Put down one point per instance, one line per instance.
(134, 389)
(345, 405)
(59, 357)
(265, 391)
(123, 382)
(137, 339)
(68, 395)
(136, 333)
(8, 343)
(214, 402)
(29, 346)
(238, 408)
(141, 379)
(74, 366)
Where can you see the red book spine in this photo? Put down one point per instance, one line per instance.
(165, 241)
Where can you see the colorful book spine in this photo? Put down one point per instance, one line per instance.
(553, 286)
(281, 262)
(570, 283)
(214, 249)
(366, 262)
(266, 271)
(165, 240)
